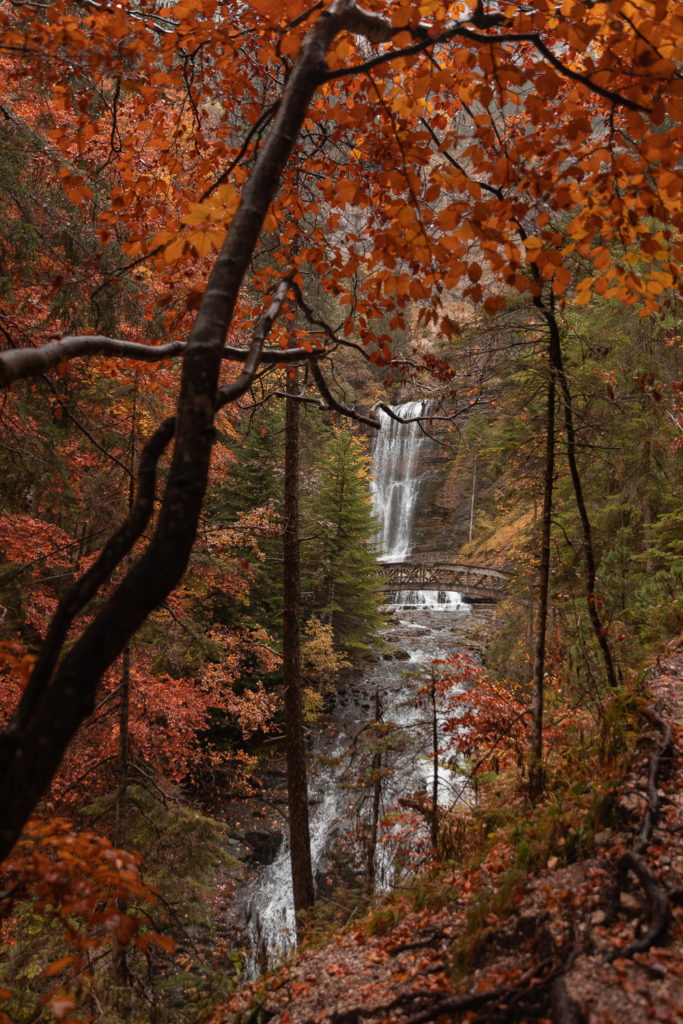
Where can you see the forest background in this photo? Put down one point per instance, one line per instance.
(481, 205)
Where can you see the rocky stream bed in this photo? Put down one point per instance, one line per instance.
(254, 888)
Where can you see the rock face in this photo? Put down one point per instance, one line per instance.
(442, 511)
(264, 845)
(442, 478)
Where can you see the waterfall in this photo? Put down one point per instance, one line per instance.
(423, 631)
(396, 460)
(397, 479)
(271, 908)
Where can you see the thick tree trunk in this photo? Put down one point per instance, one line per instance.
(536, 772)
(33, 745)
(300, 846)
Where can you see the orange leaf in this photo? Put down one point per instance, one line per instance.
(289, 47)
(174, 251)
(58, 965)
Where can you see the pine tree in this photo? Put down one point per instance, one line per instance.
(340, 566)
(254, 481)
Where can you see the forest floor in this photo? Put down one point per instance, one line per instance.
(595, 941)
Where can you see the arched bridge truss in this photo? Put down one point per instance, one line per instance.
(474, 582)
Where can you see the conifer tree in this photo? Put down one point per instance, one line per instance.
(341, 566)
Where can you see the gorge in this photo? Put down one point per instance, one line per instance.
(422, 625)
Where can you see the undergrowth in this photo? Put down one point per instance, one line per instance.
(176, 980)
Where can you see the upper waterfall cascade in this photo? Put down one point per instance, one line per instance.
(397, 479)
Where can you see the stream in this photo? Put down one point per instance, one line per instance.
(422, 625)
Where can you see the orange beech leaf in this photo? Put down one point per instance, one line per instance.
(57, 966)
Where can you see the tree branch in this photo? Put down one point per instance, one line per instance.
(340, 407)
(84, 589)
(19, 363)
(383, 31)
(229, 392)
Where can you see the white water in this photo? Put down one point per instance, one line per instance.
(397, 479)
(436, 600)
(429, 616)
(271, 908)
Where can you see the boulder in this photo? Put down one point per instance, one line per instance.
(264, 845)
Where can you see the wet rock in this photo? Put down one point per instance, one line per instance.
(264, 845)
(402, 655)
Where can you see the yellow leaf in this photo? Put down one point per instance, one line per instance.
(201, 241)
(162, 238)
(228, 194)
(197, 214)
(217, 236)
(174, 251)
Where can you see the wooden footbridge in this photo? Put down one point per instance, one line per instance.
(476, 583)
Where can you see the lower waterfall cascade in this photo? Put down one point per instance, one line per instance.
(423, 626)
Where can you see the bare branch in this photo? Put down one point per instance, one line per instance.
(326, 328)
(340, 407)
(229, 392)
(19, 363)
(84, 430)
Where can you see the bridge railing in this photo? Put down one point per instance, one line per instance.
(443, 576)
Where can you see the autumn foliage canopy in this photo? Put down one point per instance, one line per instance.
(204, 156)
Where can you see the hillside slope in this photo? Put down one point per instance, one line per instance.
(595, 940)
